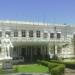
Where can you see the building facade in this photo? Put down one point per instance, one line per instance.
(38, 40)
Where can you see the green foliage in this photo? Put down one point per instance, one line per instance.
(42, 62)
(16, 69)
(54, 68)
(52, 65)
(1, 71)
(59, 70)
(70, 65)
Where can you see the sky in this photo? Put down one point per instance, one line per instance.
(47, 11)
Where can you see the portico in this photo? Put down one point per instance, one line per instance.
(31, 52)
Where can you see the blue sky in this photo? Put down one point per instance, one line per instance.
(49, 11)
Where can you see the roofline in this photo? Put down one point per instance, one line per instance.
(32, 23)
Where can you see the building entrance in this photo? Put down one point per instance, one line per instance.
(31, 53)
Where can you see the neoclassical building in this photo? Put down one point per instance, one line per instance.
(38, 40)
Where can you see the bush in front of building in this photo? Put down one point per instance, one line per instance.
(1, 71)
(52, 65)
(44, 63)
(59, 70)
(70, 65)
(54, 68)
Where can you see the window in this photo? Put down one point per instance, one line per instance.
(0, 49)
(15, 33)
(0, 34)
(37, 33)
(74, 36)
(51, 35)
(7, 33)
(23, 33)
(58, 35)
(30, 33)
(45, 35)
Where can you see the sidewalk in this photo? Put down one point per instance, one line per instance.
(27, 74)
(69, 72)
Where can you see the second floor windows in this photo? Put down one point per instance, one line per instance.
(52, 35)
(30, 33)
(38, 34)
(15, 33)
(8, 33)
(58, 35)
(23, 32)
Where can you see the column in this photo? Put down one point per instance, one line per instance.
(55, 49)
(31, 53)
(41, 50)
(26, 50)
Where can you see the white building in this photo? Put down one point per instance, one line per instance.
(36, 40)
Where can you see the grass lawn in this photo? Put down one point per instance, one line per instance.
(32, 68)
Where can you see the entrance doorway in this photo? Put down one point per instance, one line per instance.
(31, 53)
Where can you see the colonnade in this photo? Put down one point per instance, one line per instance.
(30, 52)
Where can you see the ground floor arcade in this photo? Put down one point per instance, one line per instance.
(31, 52)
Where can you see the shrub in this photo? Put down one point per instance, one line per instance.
(59, 70)
(54, 68)
(44, 63)
(70, 65)
(52, 65)
(16, 69)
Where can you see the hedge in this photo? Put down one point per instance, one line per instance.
(54, 68)
(59, 70)
(70, 65)
(44, 63)
(52, 65)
